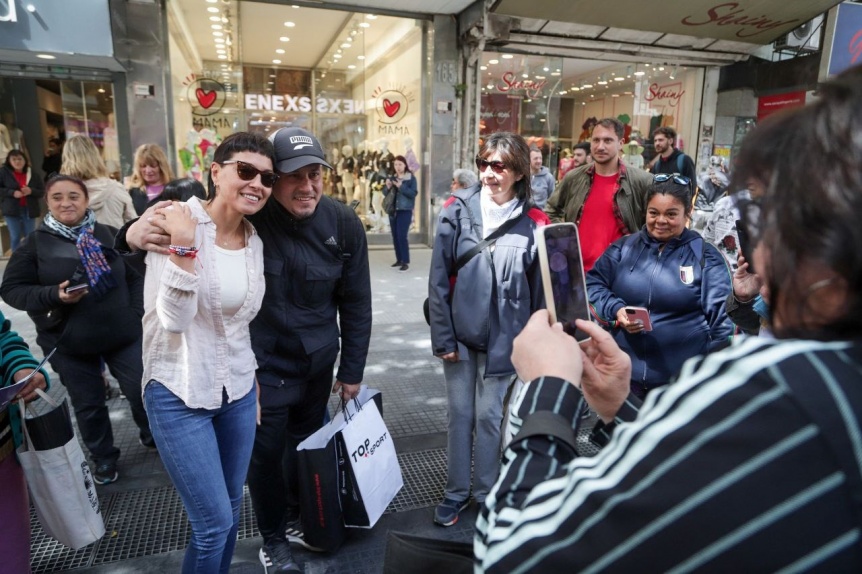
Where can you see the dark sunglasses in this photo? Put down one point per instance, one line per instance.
(496, 166)
(248, 172)
(677, 178)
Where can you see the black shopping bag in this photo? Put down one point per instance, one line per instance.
(319, 505)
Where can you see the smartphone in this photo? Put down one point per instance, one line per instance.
(74, 288)
(563, 277)
(745, 244)
(639, 314)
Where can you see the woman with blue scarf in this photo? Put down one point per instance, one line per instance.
(88, 304)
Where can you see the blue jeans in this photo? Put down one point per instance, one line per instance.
(400, 224)
(19, 228)
(206, 454)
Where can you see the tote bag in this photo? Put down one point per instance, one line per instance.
(58, 477)
(370, 467)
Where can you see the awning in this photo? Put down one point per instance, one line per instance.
(749, 21)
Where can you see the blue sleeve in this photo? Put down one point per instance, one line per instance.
(603, 302)
(408, 187)
(442, 261)
(714, 289)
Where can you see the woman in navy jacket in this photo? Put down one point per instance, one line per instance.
(404, 184)
(679, 278)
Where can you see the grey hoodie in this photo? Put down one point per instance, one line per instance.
(542, 185)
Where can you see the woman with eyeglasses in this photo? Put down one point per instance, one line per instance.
(403, 183)
(476, 311)
(199, 368)
(681, 280)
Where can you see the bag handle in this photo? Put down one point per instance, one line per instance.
(21, 408)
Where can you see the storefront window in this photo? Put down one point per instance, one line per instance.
(362, 101)
(554, 103)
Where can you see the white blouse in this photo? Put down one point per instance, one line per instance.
(191, 345)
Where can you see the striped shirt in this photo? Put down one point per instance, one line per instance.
(721, 471)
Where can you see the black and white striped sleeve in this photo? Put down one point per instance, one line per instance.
(720, 471)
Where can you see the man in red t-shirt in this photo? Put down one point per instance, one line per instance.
(603, 198)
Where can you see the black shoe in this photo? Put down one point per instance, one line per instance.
(397, 264)
(148, 442)
(106, 473)
(404, 267)
(276, 556)
(293, 533)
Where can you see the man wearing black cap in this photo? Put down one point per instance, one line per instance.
(317, 279)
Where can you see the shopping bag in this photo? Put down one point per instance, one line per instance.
(58, 478)
(370, 473)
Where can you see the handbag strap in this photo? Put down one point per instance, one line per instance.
(497, 233)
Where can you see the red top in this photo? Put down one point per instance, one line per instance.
(598, 226)
(21, 178)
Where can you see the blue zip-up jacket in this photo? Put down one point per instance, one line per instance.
(406, 197)
(494, 294)
(686, 300)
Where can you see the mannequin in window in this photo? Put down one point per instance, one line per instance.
(111, 148)
(348, 165)
(361, 190)
(412, 162)
(15, 136)
(335, 158)
(5, 143)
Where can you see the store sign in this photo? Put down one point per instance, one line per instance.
(768, 105)
(531, 88)
(206, 96)
(11, 15)
(288, 103)
(664, 95)
(752, 21)
(499, 113)
(847, 41)
(392, 105)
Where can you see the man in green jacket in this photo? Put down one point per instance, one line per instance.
(606, 198)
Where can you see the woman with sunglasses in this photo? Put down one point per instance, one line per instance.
(403, 183)
(476, 311)
(680, 279)
(199, 368)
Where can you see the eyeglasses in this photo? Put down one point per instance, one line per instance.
(496, 166)
(677, 178)
(248, 172)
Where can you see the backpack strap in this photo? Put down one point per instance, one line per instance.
(679, 163)
(490, 240)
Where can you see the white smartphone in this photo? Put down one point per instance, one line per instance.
(563, 276)
(639, 314)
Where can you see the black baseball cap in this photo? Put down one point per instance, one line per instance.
(296, 148)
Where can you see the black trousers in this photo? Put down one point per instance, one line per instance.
(292, 409)
(82, 377)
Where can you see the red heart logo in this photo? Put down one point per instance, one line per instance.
(391, 108)
(205, 99)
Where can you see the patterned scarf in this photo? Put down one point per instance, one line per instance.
(99, 275)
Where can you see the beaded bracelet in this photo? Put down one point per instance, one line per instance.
(181, 251)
